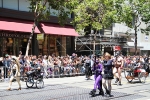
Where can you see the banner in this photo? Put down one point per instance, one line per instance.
(117, 48)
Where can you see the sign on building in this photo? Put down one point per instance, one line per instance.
(40, 36)
(146, 37)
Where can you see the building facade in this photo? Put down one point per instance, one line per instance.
(16, 25)
(143, 39)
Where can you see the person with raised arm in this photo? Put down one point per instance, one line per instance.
(15, 72)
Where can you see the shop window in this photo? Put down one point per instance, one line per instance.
(40, 43)
(10, 4)
(23, 5)
(59, 45)
(22, 44)
(43, 45)
(69, 14)
(52, 45)
(68, 45)
(0, 3)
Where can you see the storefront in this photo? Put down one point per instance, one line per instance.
(14, 35)
(56, 44)
(13, 42)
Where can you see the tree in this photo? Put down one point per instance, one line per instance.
(41, 11)
(146, 17)
(132, 12)
(94, 14)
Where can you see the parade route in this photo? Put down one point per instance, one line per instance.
(75, 88)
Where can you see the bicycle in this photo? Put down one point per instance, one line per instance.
(138, 73)
(35, 76)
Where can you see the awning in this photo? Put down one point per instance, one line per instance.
(58, 30)
(26, 26)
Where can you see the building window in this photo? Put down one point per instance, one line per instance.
(0, 3)
(68, 45)
(23, 5)
(69, 14)
(10, 4)
(53, 12)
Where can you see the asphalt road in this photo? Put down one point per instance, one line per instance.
(75, 88)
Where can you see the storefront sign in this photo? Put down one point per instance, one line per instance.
(40, 36)
(14, 35)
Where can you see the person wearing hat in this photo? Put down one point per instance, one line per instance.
(97, 69)
(15, 73)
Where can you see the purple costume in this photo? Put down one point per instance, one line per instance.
(97, 76)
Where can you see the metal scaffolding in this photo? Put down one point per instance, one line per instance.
(84, 43)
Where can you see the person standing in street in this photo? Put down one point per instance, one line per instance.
(118, 66)
(88, 71)
(15, 73)
(97, 69)
(108, 73)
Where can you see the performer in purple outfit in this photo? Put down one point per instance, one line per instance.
(97, 69)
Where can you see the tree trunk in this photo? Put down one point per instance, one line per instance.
(135, 42)
(94, 47)
(30, 38)
(94, 42)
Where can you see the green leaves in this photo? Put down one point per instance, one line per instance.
(97, 13)
(42, 9)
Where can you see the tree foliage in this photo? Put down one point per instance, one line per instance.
(42, 9)
(96, 13)
(133, 12)
(146, 16)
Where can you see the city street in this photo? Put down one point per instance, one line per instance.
(75, 88)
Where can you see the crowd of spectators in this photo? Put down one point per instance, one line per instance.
(59, 65)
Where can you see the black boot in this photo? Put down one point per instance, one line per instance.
(117, 79)
(108, 93)
(101, 92)
(119, 83)
(92, 93)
